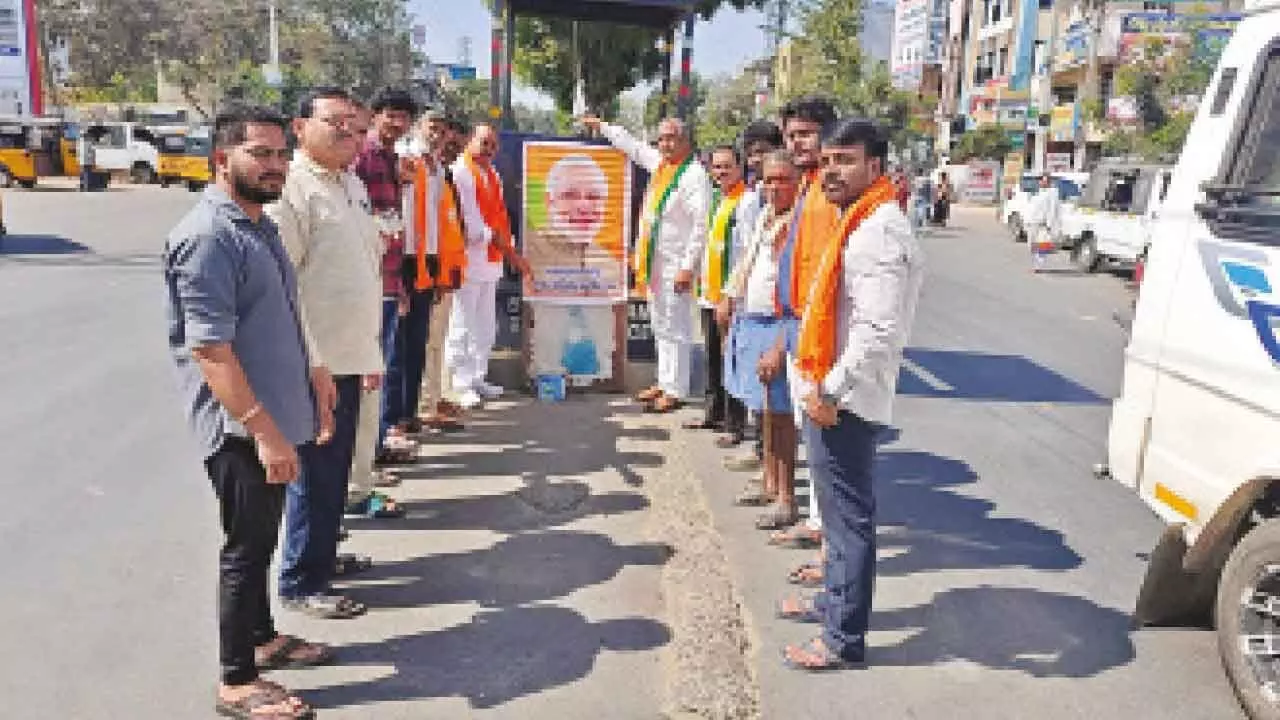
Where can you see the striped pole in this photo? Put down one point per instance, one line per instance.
(496, 70)
(684, 108)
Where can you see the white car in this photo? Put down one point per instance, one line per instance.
(1111, 222)
(1013, 209)
(1194, 430)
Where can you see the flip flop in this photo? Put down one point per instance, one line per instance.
(796, 537)
(776, 517)
(807, 574)
(813, 656)
(285, 656)
(265, 697)
(804, 610)
(326, 607)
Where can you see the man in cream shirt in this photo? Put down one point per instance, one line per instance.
(333, 243)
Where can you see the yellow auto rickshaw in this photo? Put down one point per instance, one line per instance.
(196, 169)
(172, 147)
(17, 163)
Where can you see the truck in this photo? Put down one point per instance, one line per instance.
(1111, 222)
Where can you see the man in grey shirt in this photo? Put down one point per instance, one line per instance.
(250, 396)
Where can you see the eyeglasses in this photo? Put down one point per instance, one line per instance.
(264, 153)
(338, 122)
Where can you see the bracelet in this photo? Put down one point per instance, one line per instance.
(250, 414)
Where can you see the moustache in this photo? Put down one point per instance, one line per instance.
(272, 177)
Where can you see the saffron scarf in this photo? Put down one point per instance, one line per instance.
(718, 256)
(661, 185)
(816, 354)
(451, 250)
(816, 218)
(492, 206)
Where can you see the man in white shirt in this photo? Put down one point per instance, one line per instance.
(1044, 217)
(673, 230)
(473, 325)
(861, 306)
(332, 241)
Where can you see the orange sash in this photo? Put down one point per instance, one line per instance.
(493, 208)
(451, 245)
(817, 219)
(816, 354)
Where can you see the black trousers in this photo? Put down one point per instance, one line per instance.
(717, 400)
(251, 511)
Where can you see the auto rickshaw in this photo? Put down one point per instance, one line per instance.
(196, 170)
(172, 145)
(17, 163)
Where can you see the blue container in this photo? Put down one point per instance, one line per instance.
(550, 388)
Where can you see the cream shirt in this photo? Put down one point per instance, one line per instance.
(333, 243)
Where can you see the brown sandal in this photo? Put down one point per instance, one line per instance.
(807, 574)
(664, 404)
(777, 516)
(268, 701)
(288, 652)
(797, 537)
(649, 395)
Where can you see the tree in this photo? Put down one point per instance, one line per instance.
(831, 59)
(611, 58)
(988, 142)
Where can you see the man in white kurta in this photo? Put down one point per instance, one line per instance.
(473, 321)
(681, 232)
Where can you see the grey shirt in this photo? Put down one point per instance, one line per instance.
(228, 280)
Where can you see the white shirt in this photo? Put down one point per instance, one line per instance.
(683, 234)
(479, 235)
(882, 274)
(1045, 208)
(407, 211)
(332, 240)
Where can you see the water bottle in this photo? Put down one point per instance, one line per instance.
(578, 356)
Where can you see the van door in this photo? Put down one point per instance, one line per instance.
(1217, 402)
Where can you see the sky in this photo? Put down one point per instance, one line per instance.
(722, 45)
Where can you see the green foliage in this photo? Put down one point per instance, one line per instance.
(988, 142)
(611, 58)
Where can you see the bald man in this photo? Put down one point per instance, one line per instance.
(673, 232)
(473, 319)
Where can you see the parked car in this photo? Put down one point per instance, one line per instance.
(1111, 222)
(1013, 209)
(1194, 429)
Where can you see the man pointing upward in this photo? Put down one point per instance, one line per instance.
(673, 229)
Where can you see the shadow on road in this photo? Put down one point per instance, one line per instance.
(40, 245)
(526, 568)
(491, 660)
(537, 506)
(1041, 633)
(983, 376)
(934, 527)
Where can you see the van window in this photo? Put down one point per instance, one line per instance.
(1257, 160)
(1030, 184)
(1067, 189)
(1119, 192)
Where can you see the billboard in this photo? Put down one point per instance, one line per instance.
(19, 64)
(575, 222)
(910, 43)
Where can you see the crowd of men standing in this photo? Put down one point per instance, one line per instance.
(315, 293)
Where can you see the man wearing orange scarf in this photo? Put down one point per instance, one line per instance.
(473, 323)
(860, 305)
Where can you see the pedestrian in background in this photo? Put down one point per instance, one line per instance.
(862, 299)
(1044, 218)
(251, 395)
(333, 244)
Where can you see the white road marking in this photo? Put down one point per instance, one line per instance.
(934, 382)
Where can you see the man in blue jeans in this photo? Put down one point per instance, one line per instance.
(862, 298)
(333, 244)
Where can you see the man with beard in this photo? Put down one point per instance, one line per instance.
(861, 303)
(333, 243)
(238, 345)
(673, 231)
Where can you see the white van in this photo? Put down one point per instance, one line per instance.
(1196, 429)
(1112, 222)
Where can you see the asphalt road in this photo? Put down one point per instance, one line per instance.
(1007, 569)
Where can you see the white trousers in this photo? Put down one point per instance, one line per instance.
(433, 384)
(799, 390)
(473, 328)
(366, 437)
(671, 316)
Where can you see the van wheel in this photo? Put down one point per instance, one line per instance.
(27, 184)
(1247, 616)
(1085, 254)
(1015, 228)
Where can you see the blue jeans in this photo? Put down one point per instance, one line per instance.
(314, 503)
(404, 345)
(392, 401)
(840, 463)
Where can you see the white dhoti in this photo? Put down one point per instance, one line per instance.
(671, 316)
(473, 329)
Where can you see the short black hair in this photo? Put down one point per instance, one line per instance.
(762, 130)
(458, 125)
(860, 131)
(725, 147)
(307, 106)
(390, 98)
(231, 126)
(813, 108)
